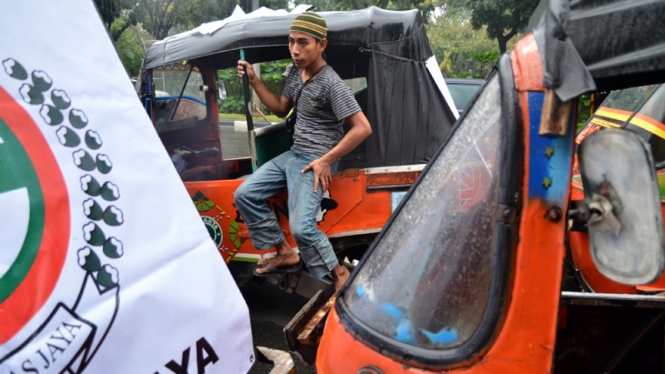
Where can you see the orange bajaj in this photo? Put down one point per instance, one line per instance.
(385, 58)
(466, 277)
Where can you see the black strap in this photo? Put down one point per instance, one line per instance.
(316, 74)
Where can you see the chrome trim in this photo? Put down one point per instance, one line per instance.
(354, 233)
(394, 169)
(607, 299)
(259, 131)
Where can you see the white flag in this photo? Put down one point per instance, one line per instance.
(105, 265)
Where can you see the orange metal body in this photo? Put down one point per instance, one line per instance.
(524, 339)
(357, 203)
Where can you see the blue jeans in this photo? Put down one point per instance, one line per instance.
(285, 171)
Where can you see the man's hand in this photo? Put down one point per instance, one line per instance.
(321, 169)
(251, 75)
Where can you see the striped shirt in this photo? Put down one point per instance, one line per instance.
(323, 105)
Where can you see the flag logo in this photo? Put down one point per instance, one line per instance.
(38, 227)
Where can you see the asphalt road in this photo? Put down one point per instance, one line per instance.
(270, 309)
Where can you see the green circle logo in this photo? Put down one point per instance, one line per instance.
(35, 217)
(214, 230)
(23, 211)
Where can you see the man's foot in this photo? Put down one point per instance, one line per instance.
(277, 262)
(340, 274)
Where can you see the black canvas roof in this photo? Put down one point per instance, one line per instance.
(600, 44)
(347, 31)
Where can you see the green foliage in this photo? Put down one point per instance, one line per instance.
(503, 19)
(276, 4)
(193, 13)
(235, 102)
(188, 14)
(321, 5)
(127, 10)
(446, 64)
(162, 15)
(466, 52)
(426, 7)
(485, 60)
(129, 46)
(271, 75)
(232, 104)
(583, 110)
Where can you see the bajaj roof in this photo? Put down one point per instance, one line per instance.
(269, 32)
(600, 44)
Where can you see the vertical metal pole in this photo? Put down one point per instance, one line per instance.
(245, 89)
(256, 102)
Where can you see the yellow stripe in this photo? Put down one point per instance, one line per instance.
(647, 126)
(309, 25)
(604, 113)
(603, 123)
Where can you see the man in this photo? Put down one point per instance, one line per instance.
(323, 105)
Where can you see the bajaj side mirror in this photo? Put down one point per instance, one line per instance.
(625, 221)
(221, 90)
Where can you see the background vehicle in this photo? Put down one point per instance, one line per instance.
(466, 276)
(463, 90)
(404, 102)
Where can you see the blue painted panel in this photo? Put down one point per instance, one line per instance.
(542, 168)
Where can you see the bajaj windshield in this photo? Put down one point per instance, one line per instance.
(427, 282)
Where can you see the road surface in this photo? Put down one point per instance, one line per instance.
(270, 309)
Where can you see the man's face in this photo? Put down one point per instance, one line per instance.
(304, 48)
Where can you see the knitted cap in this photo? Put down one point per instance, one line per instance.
(312, 24)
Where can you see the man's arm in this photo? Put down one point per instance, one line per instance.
(360, 130)
(280, 106)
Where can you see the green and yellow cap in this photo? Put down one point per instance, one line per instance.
(312, 24)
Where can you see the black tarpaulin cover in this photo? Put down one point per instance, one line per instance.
(407, 111)
(400, 80)
(600, 44)
(257, 35)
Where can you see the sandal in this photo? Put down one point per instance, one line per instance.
(289, 269)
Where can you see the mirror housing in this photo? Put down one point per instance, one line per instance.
(221, 90)
(626, 221)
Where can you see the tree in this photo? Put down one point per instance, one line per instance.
(110, 10)
(426, 7)
(129, 46)
(162, 15)
(321, 5)
(503, 18)
(195, 12)
(461, 50)
(168, 16)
